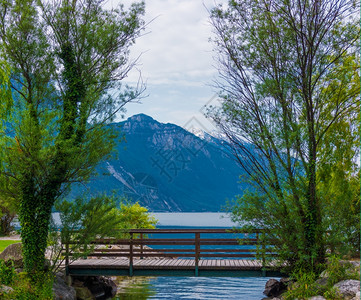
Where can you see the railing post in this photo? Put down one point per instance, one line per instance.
(67, 259)
(131, 255)
(263, 253)
(197, 252)
(141, 245)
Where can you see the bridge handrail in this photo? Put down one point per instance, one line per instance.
(136, 245)
(196, 230)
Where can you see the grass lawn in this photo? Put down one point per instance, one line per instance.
(5, 243)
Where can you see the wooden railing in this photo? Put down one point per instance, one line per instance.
(232, 244)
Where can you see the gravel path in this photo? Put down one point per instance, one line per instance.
(11, 237)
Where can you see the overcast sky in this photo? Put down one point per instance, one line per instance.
(176, 61)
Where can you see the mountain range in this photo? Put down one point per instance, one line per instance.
(167, 168)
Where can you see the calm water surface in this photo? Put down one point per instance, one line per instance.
(206, 288)
(184, 219)
(211, 219)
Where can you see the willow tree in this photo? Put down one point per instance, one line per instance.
(289, 85)
(64, 61)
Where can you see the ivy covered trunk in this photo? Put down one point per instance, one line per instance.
(35, 215)
(34, 221)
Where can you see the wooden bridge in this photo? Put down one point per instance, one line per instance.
(156, 252)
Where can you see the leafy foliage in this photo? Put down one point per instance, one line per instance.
(85, 220)
(7, 272)
(22, 287)
(134, 216)
(82, 221)
(62, 63)
(303, 288)
(26, 289)
(290, 89)
(306, 284)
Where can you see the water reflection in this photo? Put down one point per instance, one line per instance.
(200, 288)
(132, 288)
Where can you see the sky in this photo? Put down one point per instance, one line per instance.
(176, 62)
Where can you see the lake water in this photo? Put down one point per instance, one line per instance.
(207, 288)
(184, 219)
(193, 219)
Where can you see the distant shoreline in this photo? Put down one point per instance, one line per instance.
(180, 219)
(186, 219)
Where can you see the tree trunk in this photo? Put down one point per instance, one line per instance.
(34, 234)
(313, 227)
(34, 215)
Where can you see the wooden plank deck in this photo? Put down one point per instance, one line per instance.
(165, 263)
(170, 267)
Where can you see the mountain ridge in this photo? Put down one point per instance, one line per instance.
(167, 169)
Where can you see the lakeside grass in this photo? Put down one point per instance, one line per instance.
(5, 243)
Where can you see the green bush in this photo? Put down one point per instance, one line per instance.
(332, 294)
(303, 287)
(26, 288)
(305, 282)
(82, 220)
(132, 216)
(39, 286)
(339, 270)
(7, 272)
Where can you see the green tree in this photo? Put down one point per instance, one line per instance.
(84, 220)
(67, 59)
(133, 216)
(289, 83)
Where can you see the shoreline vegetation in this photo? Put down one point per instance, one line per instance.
(339, 280)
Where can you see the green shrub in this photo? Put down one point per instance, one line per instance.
(303, 287)
(305, 282)
(332, 294)
(132, 216)
(39, 286)
(34, 288)
(337, 270)
(7, 272)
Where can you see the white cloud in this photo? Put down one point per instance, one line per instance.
(176, 45)
(176, 60)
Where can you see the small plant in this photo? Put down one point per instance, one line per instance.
(7, 272)
(26, 288)
(338, 270)
(304, 286)
(332, 294)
